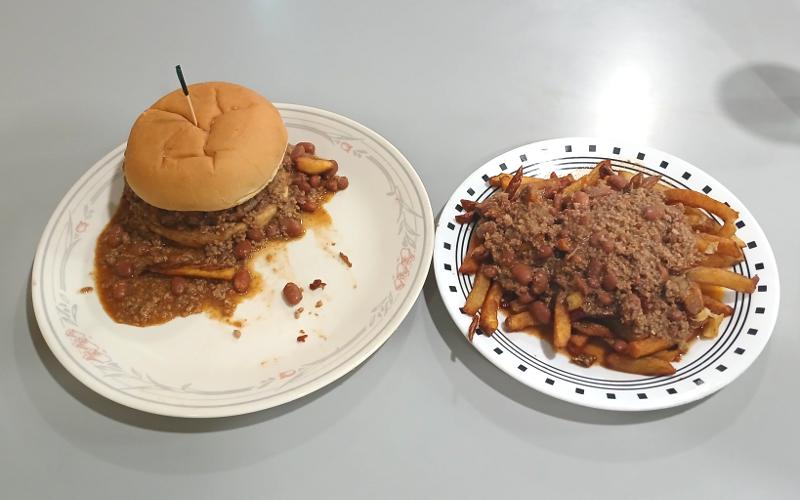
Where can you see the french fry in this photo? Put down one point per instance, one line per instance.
(716, 306)
(479, 290)
(700, 221)
(720, 261)
(195, 238)
(722, 277)
(473, 325)
(596, 349)
(700, 200)
(644, 347)
(470, 264)
(225, 273)
(519, 321)
(502, 181)
(711, 326)
(587, 180)
(562, 327)
(642, 366)
(514, 184)
(713, 291)
(574, 300)
(718, 244)
(491, 304)
(592, 329)
(578, 340)
(667, 354)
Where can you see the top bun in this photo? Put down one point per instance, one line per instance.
(232, 154)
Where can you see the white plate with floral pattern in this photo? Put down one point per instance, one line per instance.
(707, 367)
(194, 366)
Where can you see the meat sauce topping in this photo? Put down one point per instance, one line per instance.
(153, 265)
(616, 243)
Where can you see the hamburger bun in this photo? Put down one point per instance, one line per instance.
(233, 153)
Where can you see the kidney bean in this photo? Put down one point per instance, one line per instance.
(123, 268)
(343, 183)
(315, 181)
(255, 234)
(617, 181)
(604, 298)
(540, 312)
(541, 282)
(581, 285)
(292, 227)
(619, 345)
(241, 280)
(580, 198)
(332, 184)
(114, 235)
(610, 281)
(177, 286)
(304, 186)
(292, 293)
(302, 149)
(595, 268)
(119, 290)
(653, 212)
(308, 206)
(242, 249)
(606, 245)
(331, 171)
(544, 251)
(522, 273)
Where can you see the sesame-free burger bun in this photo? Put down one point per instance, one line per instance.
(232, 154)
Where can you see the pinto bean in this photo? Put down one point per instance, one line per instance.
(540, 312)
(241, 280)
(292, 293)
(522, 273)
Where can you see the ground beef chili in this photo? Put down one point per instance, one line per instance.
(622, 247)
(139, 246)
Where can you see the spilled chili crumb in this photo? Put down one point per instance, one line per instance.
(318, 304)
(298, 312)
(237, 334)
(317, 283)
(345, 259)
(86, 289)
(302, 338)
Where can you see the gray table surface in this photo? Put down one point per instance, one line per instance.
(451, 84)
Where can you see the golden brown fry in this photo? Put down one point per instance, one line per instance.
(574, 300)
(502, 181)
(644, 347)
(713, 291)
(667, 354)
(592, 329)
(225, 273)
(724, 278)
(478, 293)
(713, 244)
(587, 180)
(597, 349)
(562, 326)
(312, 165)
(519, 321)
(711, 326)
(578, 340)
(642, 366)
(716, 306)
(719, 261)
(470, 264)
(491, 304)
(699, 200)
